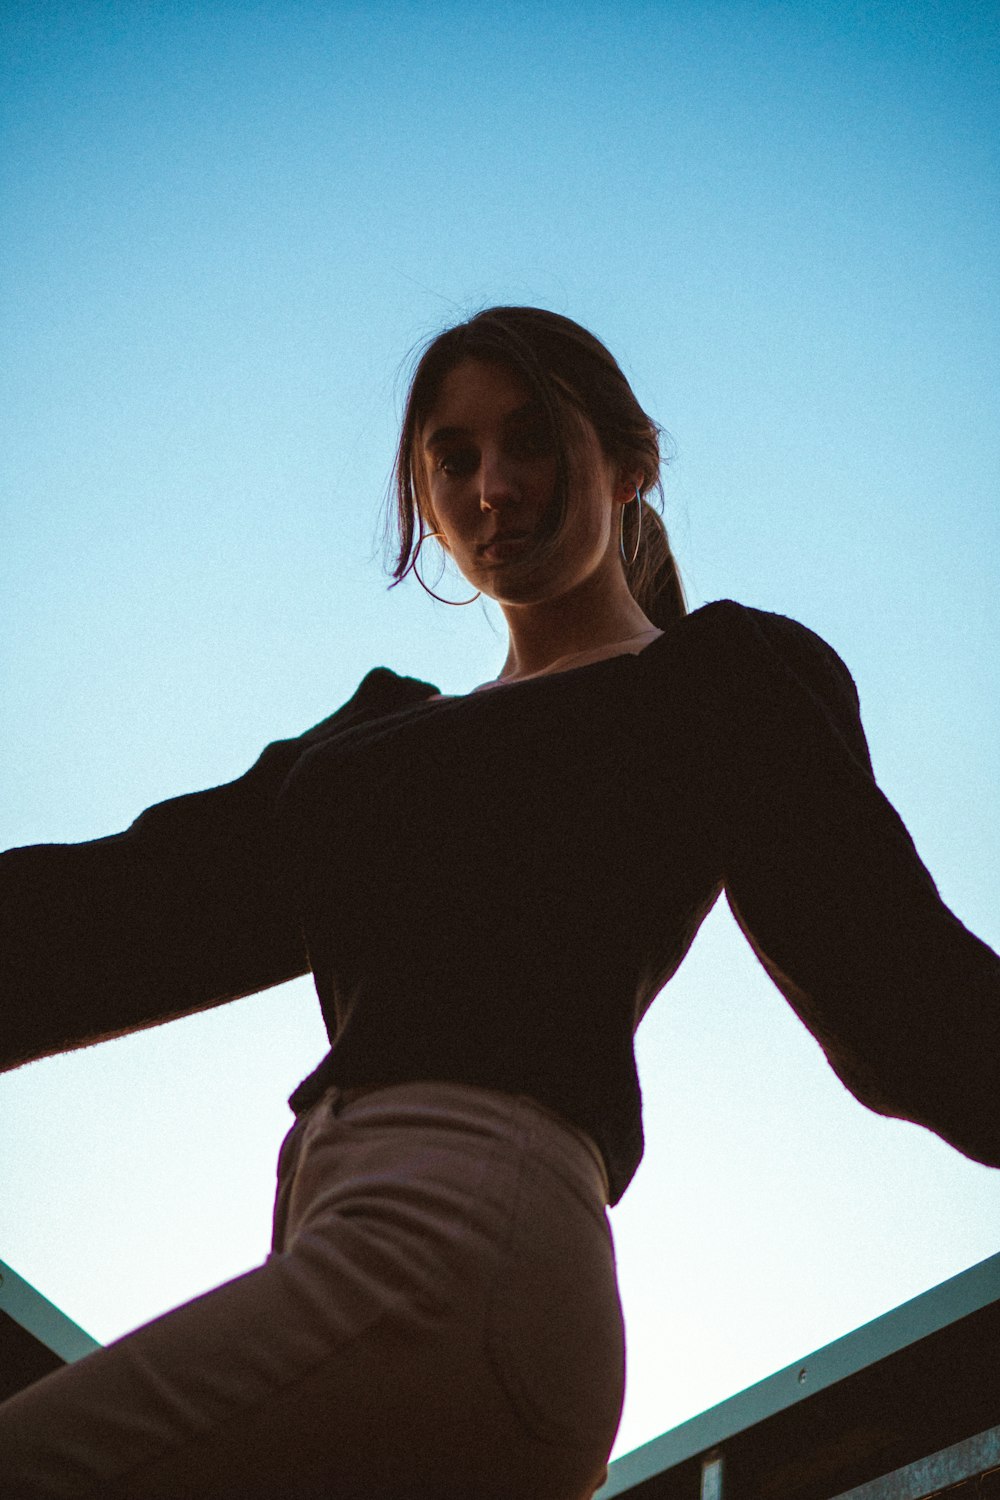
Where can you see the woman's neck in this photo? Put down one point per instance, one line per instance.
(632, 644)
(541, 639)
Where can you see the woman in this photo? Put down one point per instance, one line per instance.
(490, 890)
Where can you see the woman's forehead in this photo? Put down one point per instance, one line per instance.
(478, 387)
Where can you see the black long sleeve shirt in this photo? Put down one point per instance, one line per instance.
(493, 889)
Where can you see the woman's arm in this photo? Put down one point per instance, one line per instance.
(187, 908)
(827, 886)
(195, 904)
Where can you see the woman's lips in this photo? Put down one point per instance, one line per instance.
(503, 547)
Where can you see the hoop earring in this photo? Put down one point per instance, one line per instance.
(455, 603)
(628, 561)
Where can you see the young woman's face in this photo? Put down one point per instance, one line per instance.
(490, 474)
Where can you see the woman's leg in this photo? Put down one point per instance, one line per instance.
(378, 1356)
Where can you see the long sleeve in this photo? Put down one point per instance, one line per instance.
(193, 905)
(827, 886)
(184, 910)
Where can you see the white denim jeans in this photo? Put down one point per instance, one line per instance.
(439, 1320)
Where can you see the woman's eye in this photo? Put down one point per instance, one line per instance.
(458, 463)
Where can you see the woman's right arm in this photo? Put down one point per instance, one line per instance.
(186, 909)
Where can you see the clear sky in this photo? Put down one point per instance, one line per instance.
(225, 225)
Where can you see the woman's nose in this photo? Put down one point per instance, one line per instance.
(497, 484)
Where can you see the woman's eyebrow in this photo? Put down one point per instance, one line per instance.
(530, 411)
(445, 435)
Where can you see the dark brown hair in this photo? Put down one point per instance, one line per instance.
(566, 369)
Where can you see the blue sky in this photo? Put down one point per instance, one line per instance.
(225, 227)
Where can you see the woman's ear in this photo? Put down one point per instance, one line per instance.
(628, 482)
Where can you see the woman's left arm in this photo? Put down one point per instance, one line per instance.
(825, 882)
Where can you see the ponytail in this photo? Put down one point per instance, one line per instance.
(654, 578)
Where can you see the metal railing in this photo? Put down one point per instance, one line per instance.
(902, 1408)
